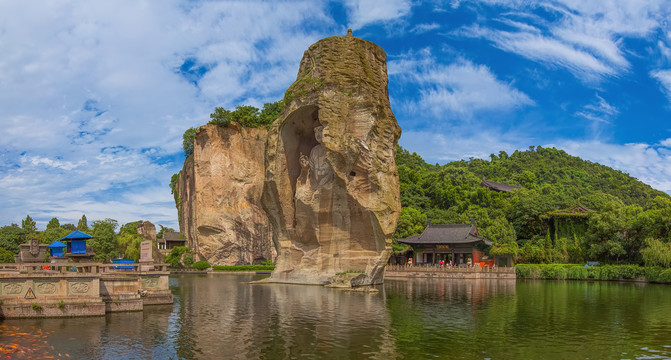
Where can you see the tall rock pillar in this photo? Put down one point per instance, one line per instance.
(331, 186)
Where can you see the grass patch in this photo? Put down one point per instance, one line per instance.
(61, 304)
(36, 307)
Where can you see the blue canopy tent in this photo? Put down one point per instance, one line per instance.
(77, 242)
(57, 248)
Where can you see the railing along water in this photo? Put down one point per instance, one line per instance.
(448, 269)
(94, 268)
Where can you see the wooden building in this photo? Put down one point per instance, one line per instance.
(170, 240)
(457, 245)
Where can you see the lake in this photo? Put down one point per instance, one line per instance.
(222, 316)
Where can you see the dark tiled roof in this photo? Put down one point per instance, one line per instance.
(446, 234)
(173, 236)
(498, 186)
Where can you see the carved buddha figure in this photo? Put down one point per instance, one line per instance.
(315, 169)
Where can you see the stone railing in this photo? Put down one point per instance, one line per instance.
(95, 268)
(446, 269)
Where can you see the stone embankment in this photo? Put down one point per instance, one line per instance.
(402, 271)
(55, 290)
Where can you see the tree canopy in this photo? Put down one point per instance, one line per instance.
(245, 115)
(527, 222)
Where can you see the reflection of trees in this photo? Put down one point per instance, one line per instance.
(439, 317)
(527, 319)
(221, 316)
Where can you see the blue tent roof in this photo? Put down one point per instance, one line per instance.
(77, 235)
(57, 244)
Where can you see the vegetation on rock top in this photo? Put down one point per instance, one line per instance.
(245, 115)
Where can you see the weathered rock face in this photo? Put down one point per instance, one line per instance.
(219, 196)
(148, 231)
(332, 189)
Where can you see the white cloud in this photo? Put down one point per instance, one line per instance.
(585, 37)
(95, 96)
(544, 49)
(366, 12)
(664, 79)
(422, 28)
(642, 161)
(600, 114)
(459, 89)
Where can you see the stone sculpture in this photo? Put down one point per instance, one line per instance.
(331, 186)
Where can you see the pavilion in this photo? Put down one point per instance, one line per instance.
(456, 244)
(76, 246)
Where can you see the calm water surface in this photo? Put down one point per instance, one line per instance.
(221, 316)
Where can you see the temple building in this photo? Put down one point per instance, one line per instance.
(457, 245)
(170, 240)
(497, 186)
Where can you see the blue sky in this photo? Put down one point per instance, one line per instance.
(95, 95)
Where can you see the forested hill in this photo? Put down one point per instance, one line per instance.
(622, 211)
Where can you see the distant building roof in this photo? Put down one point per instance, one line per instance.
(498, 186)
(173, 236)
(77, 235)
(446, 234)
(57, 244)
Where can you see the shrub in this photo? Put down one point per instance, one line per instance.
(243, 267)
(37, 307)
(528, 271)
(201, 265)
(188, 260)
(576, 272)
(652, 273)
(175, 255)
(61, 304)
(553, 271)
(665, 276)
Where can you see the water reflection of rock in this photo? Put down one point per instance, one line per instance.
(286, 321)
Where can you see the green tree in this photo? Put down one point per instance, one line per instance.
(270, 112)
(410, 222)
(657, 253)
(159, 234)
(188, 140)
(6, 256)
(11, 236)
(29, 225)
(83, 224)
(53, 223)
(129, 241)
(104, 242)
(53, 232)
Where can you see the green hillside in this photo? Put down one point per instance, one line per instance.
(535, 222)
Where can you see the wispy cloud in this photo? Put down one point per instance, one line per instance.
(458, 89)
(599, 113)
(548, 50)
(585, 37)
(365, 12)
(664, 79)
(423, 28)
